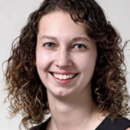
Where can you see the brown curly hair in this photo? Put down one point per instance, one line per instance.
(27, 94)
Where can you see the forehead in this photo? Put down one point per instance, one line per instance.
(60, 21)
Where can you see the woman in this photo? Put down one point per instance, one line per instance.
(68, 62)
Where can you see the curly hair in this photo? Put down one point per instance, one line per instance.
(27, 94)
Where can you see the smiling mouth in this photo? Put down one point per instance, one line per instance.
(63, 76)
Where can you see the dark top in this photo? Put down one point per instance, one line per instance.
(106, 124)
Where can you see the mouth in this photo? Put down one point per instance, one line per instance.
(63, 76)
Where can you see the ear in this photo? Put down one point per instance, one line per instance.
(34, 62)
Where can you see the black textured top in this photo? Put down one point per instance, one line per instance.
(106, 124)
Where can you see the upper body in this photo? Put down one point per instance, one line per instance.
(106, 124)
(68, 62)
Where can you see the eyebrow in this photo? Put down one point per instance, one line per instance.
(80, 38)
(48, 37)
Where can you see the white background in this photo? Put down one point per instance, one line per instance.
(13, 16)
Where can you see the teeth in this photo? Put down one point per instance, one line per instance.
(60, 76)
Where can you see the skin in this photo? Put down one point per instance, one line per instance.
(64, 47)
(64, 55)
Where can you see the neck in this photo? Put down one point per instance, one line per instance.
(71, 112)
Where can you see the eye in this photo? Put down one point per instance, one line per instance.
(49, 45)
(80, 46)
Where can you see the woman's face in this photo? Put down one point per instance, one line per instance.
(65, 55)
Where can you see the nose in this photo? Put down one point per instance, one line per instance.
(63, 59)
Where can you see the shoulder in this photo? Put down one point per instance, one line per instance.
(41, 126)
(120, 123)
(38, 127)
(124, 121)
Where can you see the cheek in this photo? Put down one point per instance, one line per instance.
(86, 62)
(42, 60)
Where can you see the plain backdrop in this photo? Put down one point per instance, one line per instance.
(13, 16)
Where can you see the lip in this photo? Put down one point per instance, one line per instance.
(65, 81)
(62, 81)
(67, 73)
